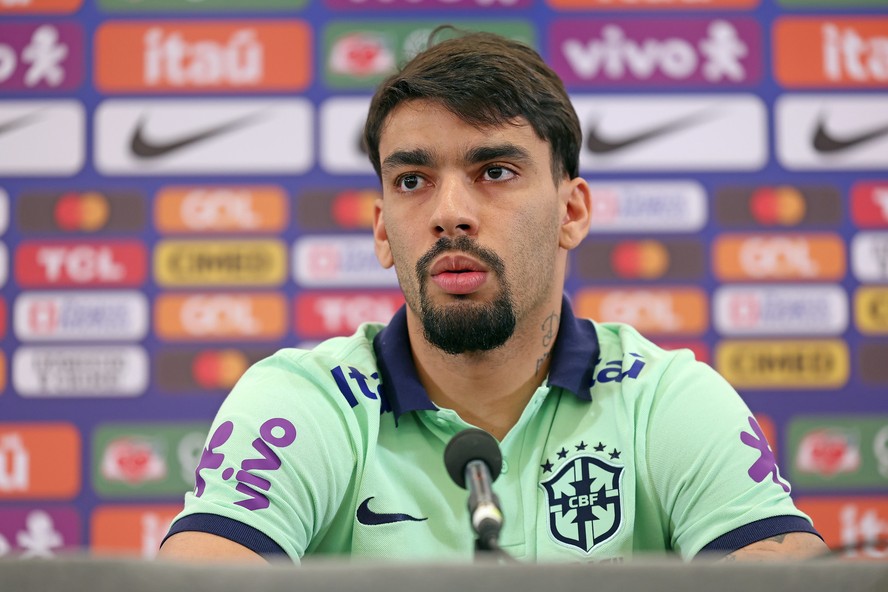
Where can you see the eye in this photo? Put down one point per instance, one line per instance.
(498, 173)
(409, 182)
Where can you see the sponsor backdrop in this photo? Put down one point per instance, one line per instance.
(183, 191)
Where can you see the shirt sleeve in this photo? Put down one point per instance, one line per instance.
(712, 468)
(278, 462)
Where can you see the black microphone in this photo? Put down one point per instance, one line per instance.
(473, 460)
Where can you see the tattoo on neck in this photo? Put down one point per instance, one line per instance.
(548, 328)
(540, 361)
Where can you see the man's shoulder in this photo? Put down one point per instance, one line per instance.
(621, 338)
(309, 358)
(314, 373)
(624, 353)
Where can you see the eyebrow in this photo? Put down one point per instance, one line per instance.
(399, 158)
(423, 158)
(507, 151)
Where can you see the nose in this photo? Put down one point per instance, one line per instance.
(456, 209)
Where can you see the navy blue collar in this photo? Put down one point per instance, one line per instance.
(573, 361)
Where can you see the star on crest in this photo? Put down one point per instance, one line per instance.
(600, 447)
(562, 453)
(581, 445)
(615, 454)
(547, 467)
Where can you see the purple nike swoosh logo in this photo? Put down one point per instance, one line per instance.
(368, 517)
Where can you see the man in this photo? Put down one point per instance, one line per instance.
(612, 447)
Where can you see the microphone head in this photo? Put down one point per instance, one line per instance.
(468, 445)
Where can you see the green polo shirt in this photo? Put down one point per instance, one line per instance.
(627, 449)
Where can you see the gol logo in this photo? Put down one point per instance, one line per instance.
(221, 209)
(69, 264)
(654, 311)
(183, 317)
(779, 257)
(135, 531)
(858, 526)
(198, 56)
(223, 262)
(815, 364)
(39, 460)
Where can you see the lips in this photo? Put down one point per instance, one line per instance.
(457, 274)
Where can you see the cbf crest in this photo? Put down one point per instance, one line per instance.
(585, 508)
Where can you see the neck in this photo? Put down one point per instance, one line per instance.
(489, 389)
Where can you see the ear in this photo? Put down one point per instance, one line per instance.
(380, 237)
(577, 199)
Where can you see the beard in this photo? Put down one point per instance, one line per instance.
(466, 326)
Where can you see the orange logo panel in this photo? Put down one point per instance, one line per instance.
(183, 317)
(657, 311)
(187, 57)
(221, 209)
(135, 531)
(766, 257)
(39, 461)
(857, 524)
(37, 6)
(830, 52)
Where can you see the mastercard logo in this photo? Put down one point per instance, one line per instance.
(354, 209)
(212, 369)
(780, 206)
(645, 259)
(777, 206)
(348, 209)
(215, 369)
(81, 211)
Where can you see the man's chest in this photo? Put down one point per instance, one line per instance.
(566, 488)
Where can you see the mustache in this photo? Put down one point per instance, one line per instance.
(462, 244)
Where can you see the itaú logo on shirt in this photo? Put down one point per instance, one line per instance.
(613, 371)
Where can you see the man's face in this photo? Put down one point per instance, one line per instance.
(470, 219)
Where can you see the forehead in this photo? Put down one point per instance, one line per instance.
(426, 125)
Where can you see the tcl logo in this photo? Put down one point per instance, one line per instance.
(329, 313)
(80, 264)
(779, 257)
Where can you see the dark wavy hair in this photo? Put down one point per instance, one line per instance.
(486, 80)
